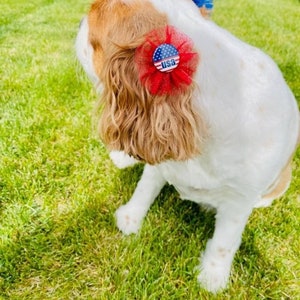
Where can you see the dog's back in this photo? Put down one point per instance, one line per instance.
(252, 116)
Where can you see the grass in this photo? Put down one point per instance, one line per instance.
(59, 190)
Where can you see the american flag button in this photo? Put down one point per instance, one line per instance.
(166, 58)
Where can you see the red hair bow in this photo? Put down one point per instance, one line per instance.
(166, 61)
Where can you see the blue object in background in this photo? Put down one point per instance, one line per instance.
(199, 3)
(207, 3)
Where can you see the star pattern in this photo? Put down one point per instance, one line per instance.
(166, 57)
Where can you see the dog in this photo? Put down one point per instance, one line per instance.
(222, 130)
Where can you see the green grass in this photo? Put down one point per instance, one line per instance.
(59, 190)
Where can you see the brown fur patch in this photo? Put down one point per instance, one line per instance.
(282, 184)
(150, 128)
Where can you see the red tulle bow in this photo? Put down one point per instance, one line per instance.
(177, 79)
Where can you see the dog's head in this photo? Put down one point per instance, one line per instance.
(152, 127)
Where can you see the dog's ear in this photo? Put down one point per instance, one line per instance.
(149, 127)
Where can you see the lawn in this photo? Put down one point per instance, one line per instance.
(59, 190)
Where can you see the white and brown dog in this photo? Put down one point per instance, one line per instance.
(224, 138)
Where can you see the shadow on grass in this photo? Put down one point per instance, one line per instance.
(71, 251)
(173, 224)
(169, 208)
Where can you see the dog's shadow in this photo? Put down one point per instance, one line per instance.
(177, 229)
(169, 215)
(172, 220)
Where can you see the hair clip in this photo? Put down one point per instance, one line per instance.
(166, 61)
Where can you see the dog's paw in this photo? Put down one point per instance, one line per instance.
(129, 219)
(122, 160)
(213, 278)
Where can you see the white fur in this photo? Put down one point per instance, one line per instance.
(121, 159)
(253, 123)
(84, 52)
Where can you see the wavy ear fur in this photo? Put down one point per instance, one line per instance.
(150, 128)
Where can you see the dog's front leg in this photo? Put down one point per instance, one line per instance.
(220, 250)
(130, 216)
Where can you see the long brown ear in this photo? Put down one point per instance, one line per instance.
(150, 128)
